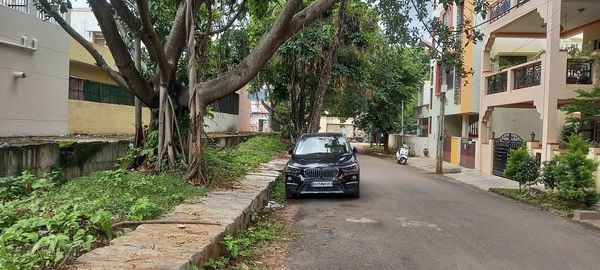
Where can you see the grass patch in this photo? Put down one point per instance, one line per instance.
(46, 228)
(539, 199)
(225, 165)
(45, 223)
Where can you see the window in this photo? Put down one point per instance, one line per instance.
(448, 78)
(80, 89)
(423, 127)
(75, 89)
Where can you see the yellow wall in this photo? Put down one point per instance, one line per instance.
(466, 88)
(87, 72)
(103, 119)
(79, 54)
(455, 151)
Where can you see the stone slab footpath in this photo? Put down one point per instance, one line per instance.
(166, 246)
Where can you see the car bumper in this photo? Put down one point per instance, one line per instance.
(297, 185)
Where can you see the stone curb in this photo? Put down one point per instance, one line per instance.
(166, 246)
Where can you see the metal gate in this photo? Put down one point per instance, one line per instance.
(447, 146)
(502, 146)
(467, 153)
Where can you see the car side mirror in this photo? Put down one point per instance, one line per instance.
(354, 150)
(291, 151)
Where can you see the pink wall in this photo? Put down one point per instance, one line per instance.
(244, 111)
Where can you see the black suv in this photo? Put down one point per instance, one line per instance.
(322, 163)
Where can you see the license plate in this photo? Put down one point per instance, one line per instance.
(322, 184)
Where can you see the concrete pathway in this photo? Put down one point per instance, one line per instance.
(467, 176)
(178, 246)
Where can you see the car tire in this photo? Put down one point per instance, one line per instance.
(289, 194)
(356, 194)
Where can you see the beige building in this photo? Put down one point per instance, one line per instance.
(34, 72)
(528, 74)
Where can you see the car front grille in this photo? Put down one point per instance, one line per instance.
(324, 172)
(329, 172)
(312, 172)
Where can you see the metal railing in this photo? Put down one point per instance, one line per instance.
(497, 83)
(20, 5)
(499, 9)
(579, 71)
(527, 76)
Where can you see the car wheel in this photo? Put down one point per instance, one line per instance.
(356, 194)
(289, 194)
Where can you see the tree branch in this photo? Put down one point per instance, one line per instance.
(155, 45)
(100, 62)
(231, 21)
(286, 24)
(133, 23)
(138, 85)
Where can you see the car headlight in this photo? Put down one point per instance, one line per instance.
(350, 168)
(292, 169)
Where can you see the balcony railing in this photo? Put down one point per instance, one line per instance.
(503, 7)
(579, 71)
(421, 111)
(497, 83)
(527, 76)
(20, 5)
(499, 9)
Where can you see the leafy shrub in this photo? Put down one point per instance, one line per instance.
(14, 187)
(547, 177)
(521, 167)
(575, 173)
(42, 229)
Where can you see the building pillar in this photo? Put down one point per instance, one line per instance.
(553, 79)
(465, 126)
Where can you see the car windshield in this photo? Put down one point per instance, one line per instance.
(325, 144)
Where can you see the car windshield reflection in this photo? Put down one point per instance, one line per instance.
(322, 145)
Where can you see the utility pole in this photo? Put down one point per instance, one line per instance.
(440, 143)
(402, 138)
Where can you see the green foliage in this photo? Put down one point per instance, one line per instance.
(390, 87)
(521, 167)
(575, 173)
(547, 201)
(14, 187)
(241, 245)
(547, 177)
(221, 165)
(47, 226)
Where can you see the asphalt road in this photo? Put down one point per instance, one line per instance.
(407, 219)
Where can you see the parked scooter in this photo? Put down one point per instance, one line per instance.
(402, 154)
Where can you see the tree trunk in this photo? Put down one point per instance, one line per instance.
(385, 142)
(325, 76)
(139, 131)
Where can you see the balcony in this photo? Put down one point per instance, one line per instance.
(503, 7)
(29, 7)
(496, 83)
(579, 71)
(421, 111)
(527, 76)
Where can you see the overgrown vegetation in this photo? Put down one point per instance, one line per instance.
(45, 223)
(46, 227)
(547, 201)
(223, 165)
